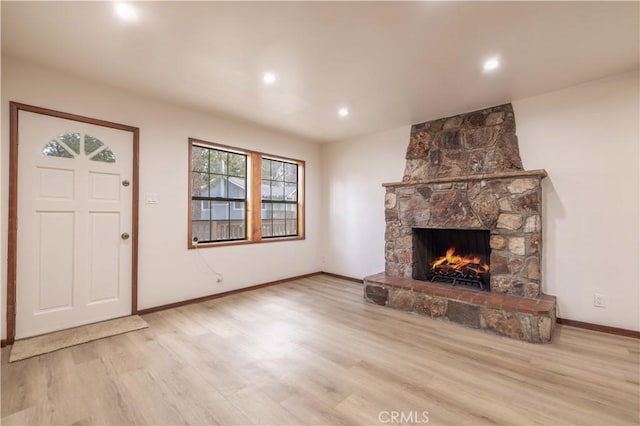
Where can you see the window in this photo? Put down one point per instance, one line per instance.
(218, 181)
(279, 190)
(240, 196)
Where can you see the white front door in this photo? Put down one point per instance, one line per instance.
(74, 221)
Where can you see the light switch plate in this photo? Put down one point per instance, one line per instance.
(152, 198)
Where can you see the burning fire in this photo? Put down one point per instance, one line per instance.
(466, 265)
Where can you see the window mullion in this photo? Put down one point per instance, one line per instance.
(255, 197)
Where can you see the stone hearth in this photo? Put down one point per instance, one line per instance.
(513, 316)
(465, 172)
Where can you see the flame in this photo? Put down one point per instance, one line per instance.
(463, 264)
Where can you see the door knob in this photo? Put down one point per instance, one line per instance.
(125, 183)
(124, 236)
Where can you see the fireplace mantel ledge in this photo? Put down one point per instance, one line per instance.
(513, 174)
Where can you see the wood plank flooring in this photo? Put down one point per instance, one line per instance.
(312, 352)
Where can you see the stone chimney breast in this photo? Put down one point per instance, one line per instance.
(479, 142)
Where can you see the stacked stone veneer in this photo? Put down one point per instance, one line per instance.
(508, 206)
(476, 143)
(465, 172)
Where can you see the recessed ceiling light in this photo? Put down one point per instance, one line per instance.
(126, 12)
(269, 78)
(343, 112)
(491, 64)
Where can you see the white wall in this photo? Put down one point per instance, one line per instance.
(168, 272)
(353, 172)
(585, 136)
(587, 139)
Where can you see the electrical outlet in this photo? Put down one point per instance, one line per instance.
(598, 300)
(219, 277)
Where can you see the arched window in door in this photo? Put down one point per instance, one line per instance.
(68, 145)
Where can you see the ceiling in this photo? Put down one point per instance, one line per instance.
(391, 63)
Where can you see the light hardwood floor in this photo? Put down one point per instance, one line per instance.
(312, 352)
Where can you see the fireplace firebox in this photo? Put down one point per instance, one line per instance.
(455, 256)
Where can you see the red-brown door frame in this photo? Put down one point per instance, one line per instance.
(12, 259)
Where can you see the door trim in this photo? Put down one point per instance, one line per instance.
(12, 258)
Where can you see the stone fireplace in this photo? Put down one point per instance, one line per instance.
(463, 236)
